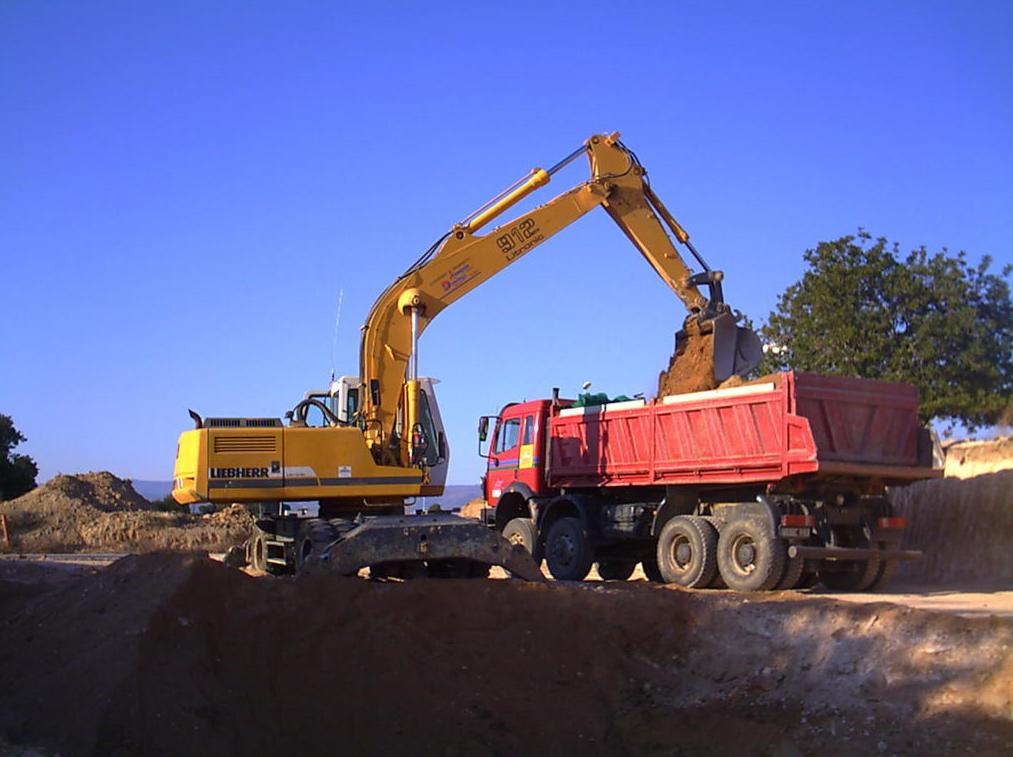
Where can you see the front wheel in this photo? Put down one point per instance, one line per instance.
(522, 531)
(567, 551)
(750, 555)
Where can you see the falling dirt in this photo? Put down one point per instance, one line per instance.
(174, 654)
(100, 512)
(691, 368)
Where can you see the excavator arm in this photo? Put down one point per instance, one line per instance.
(463, 259)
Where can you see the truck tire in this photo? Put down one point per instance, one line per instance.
(850, 575)
(615, 570)
(858, 575)
(883, 575)
(522, 531)
(687, 551)
(793, 570)
(567, 551)
(750, 555)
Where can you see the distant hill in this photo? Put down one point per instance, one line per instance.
(454, 496)
(152, 490)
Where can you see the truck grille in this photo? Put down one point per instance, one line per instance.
(245, 444)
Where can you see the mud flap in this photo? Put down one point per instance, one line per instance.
(422, 538)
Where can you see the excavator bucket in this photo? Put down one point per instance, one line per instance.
(426, 540)
(737, 349)
(707, 354)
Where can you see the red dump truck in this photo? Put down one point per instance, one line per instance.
(774, 484)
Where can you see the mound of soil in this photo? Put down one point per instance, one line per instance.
(175, 654)
(975, 458)
(97, 512)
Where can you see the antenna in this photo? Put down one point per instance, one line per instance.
(337, 322)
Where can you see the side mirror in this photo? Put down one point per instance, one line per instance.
(483, 428)
(441, 445)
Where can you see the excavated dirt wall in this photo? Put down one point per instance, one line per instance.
(964, 527)
(167, 654)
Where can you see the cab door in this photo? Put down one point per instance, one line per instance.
(528, 457)
(503, 458)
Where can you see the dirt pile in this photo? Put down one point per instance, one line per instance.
(176, 654)
(99, 512)
(976, 458)
(964, 527)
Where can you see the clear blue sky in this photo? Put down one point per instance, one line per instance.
(185, 186)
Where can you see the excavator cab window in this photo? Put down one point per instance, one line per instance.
(351, 405)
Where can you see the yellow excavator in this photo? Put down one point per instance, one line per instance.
(381, 442)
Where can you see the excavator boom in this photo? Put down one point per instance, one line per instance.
(463, 259)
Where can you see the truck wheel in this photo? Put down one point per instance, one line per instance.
(615, 570)
(850, 575)
(567, 552)
(687, 549)
(793, 570)
(883, 575)
(522, 531)
(650, 567)
(750, 555)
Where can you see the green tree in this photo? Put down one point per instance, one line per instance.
(929, 319)
(17, 472)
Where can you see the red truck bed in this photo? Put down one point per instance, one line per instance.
(789, 424)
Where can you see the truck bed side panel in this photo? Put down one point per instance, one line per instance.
(762, 432)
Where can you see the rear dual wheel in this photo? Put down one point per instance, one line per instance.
(857, 575)
(750, 556)
(687, 551)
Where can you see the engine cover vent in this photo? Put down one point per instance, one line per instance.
(245, 444)
(242, 423)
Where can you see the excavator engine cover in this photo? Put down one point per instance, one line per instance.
(429, 538)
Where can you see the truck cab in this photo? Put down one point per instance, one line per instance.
(516, 458)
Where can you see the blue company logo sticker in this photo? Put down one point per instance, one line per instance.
(458, 277)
